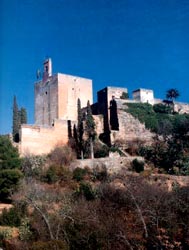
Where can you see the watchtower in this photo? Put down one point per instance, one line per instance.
(56, 96)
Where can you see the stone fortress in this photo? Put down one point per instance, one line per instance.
(56, 99)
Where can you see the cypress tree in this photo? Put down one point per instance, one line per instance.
(90, 124)
(75, 134)
(16, 121)
(23, 116)
(69, 129)
(90, 128)
(80, 129)
(113, 115)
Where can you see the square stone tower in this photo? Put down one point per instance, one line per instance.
(56, 96)
(144, 96)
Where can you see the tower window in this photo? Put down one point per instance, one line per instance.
(46, 92)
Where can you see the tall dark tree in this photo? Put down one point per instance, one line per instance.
(113, 115)
(69, 129)
(75, 134)
(80, 129)
(90, 128)
(23, 116)
(16, 121)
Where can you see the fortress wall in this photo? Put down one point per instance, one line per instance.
(70, 89)
(182, 108)
(39, 140)
(113, 163)
(130, 129)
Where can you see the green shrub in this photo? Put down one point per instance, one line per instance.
(138, 165)
(32, 165)
(9, 181)
(100, 150)
(87, 191)
(10, 217)
(6, 233)
(55, 173)
(145, 151)
(66, 174)
(100, 173)
(114, 149)
(149, 115)
(184, 168)
(79, 173)
(144, 113)
(51, 175)
(25, 232)
(162, 108)
(9, 156)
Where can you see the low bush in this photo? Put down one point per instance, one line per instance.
(79, 173)
(5, 233)
(33, 165)
(114, 149)
(62, 155)
(162, 108)
(100, 173)
(25, 232)
(55, 173)
(10, 217)
(9, 182)
(86, 190)
(134, 146)
(100, 150)
(51, 175)
(138, 165)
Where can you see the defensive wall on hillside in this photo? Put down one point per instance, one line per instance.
(39, 140)
(56, 100)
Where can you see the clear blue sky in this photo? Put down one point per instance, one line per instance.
(126, 43)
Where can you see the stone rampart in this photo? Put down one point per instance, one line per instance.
(39, 140)
(130, 129)
(113, 164)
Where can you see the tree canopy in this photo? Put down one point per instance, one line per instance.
(172, 94)
(19, 117)
(9, 156)
(9, 167)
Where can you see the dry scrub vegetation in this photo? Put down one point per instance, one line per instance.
(55, 208)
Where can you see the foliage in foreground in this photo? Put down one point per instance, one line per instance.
(104, 216)
(10, 162)
(171, 153)
(9, 156)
